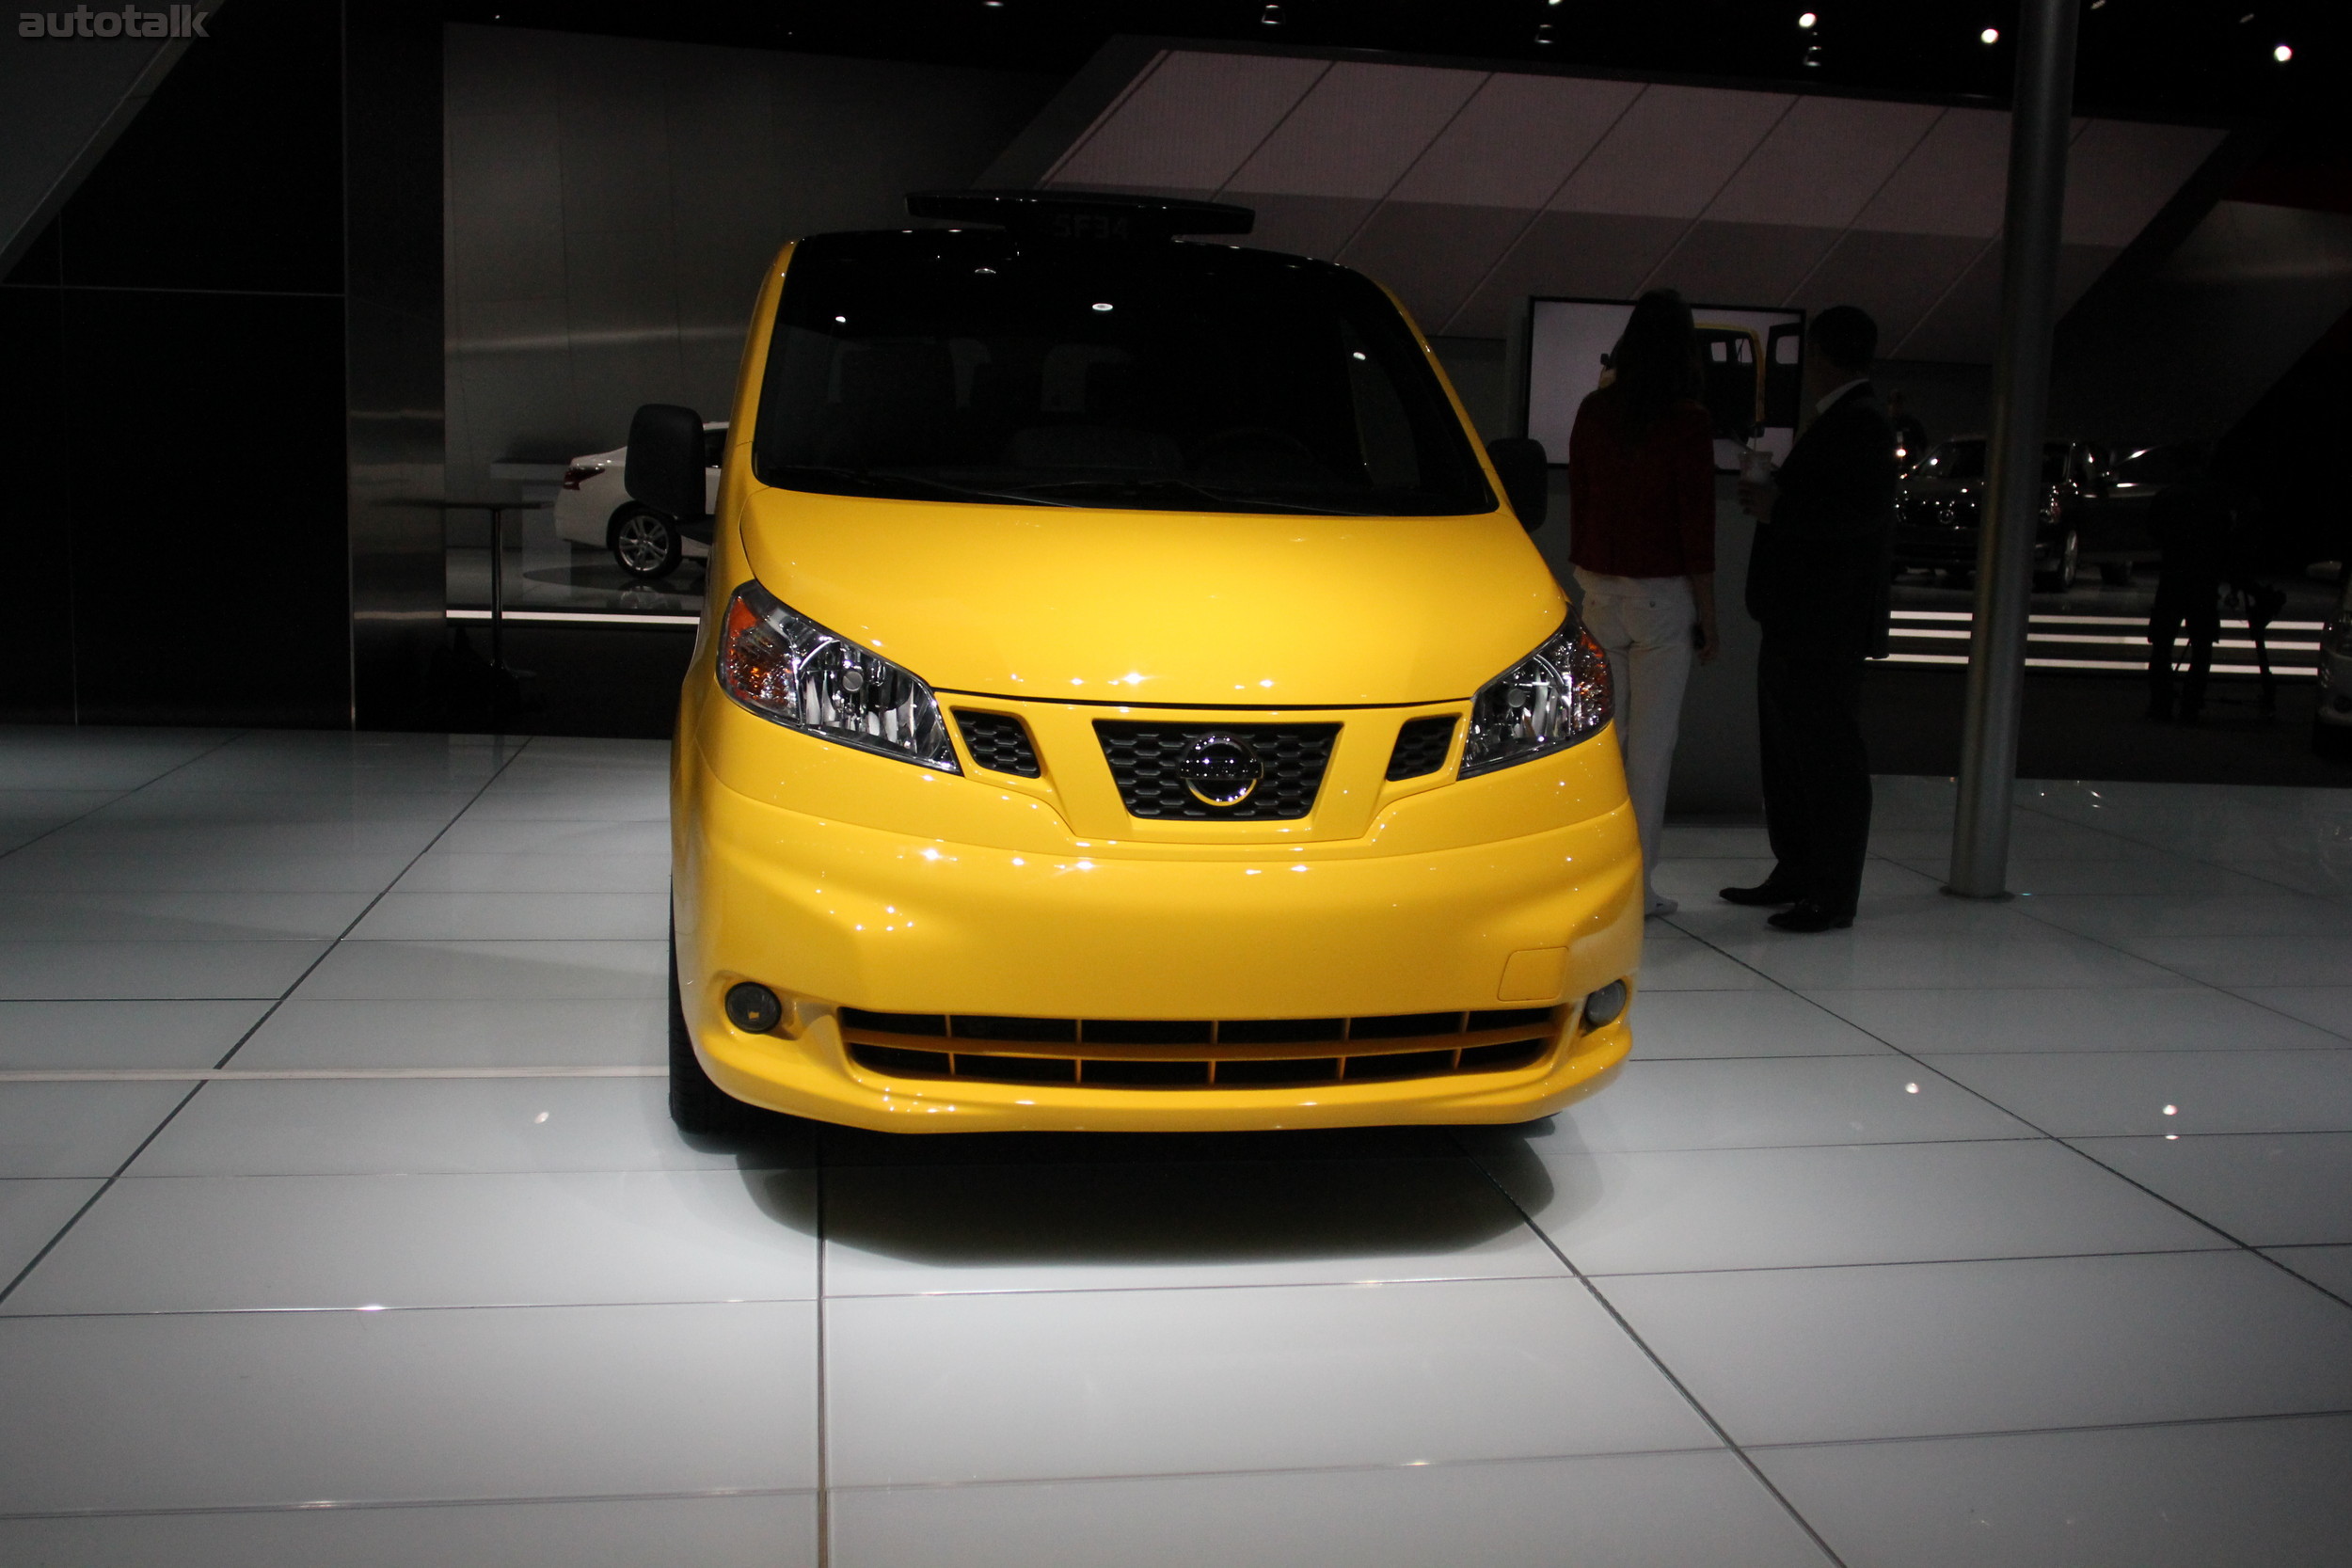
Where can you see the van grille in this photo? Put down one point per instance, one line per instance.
(1158, 1053)
(1422, 746)
(1143, 758)
(999, 742)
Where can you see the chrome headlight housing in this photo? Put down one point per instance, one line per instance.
(784, 667)
(1547, 701)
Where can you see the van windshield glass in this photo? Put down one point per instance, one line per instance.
(944, 365)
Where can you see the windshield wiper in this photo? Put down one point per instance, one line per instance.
(1225, 499)
(879, 478)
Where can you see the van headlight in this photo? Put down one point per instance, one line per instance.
(784, 666)
(1553, 698)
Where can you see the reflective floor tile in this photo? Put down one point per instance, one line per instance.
(523, 971)
(2330, 878)
(1694, 841)
(202, 1243)
(109, 1034)
(68, 970)
(438, 1126)
(33, 1210)
(1879, 1203)
(2327, 1267)
(2269, 1492)
(1761, 1103)
(2266, 1189)
(71, 756)
(1700, 1508)
(2279, 913)
(756, 1531)
(1086, 1383)
(1920, 911)
(121, 917)
(2328, 1007)
(198, 809)
(2246, 960)
(228, 1409)
(525, 916)
(469, 835)
(845, 1147)
(1808, 1355)
(2057, 1017)
(2115, 1092)
(26, 815)
(1680, 1024)
(902, 1230)
(593, 872)
(200, 870)
(1673, 959)
(2033, 954)
(307, 1031)
(1697, 883)
(2151, 871)
(590, 802)
(78, 1129)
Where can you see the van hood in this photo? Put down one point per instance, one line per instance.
(1197, 609)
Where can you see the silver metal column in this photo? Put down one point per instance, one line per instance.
(2040, 125)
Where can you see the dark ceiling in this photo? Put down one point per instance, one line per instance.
(2170, 59)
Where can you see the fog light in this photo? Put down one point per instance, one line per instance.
(1604, 1005)
(754, 1009)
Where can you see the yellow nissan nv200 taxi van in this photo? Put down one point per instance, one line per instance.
(1127, 701)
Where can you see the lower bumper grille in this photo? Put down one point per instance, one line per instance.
(1204, 1054)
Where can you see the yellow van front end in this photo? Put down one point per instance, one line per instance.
(1190, 819)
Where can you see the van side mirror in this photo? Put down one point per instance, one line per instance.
(1526, 476)
(665, 467)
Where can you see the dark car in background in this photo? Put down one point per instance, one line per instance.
(1940, 506)
(2112, 518)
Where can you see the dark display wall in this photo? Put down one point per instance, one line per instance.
(184, 389)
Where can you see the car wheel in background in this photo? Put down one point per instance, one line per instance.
(644, 543)
(2061, 575)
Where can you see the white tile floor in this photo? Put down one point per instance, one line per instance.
(341, 1223)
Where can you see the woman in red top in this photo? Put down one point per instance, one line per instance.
(1642, 538)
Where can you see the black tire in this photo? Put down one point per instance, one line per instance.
(644, 543)
(2060, 577)
(697, 1105)
(2332, 742)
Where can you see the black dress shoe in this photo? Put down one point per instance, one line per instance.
(1807, 915)
(1764, 895)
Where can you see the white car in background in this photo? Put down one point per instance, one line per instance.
(593, 508)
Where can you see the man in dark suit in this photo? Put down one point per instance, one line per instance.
(1817, 584)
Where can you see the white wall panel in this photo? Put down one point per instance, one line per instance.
(1516, 141)
(1823, 163)
(1357, 130)
(1671, 153)
(1190, 122)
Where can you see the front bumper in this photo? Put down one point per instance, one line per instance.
(1043, 925)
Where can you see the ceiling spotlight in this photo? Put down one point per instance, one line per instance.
(1814, 56)
(1990, 36)
(1270, 17)
(2282, 54)
(1807, 20)
(1543, 32)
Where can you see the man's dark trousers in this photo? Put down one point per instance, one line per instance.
(1817, 584)
(1816, 774)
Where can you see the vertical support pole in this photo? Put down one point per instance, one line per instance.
(2040, 123)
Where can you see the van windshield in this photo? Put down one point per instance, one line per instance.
(966, 365)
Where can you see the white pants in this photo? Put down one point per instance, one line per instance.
(1645, 625)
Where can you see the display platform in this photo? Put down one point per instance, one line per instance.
(342, 1222)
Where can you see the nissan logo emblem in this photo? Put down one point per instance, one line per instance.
(1220, 770)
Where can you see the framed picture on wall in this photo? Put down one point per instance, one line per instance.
(1752, 358)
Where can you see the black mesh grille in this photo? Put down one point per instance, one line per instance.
(998, 742)
(1420, 747)
(1143, 762)
(1175, 1054)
